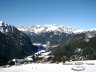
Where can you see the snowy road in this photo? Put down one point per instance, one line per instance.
(47, 68)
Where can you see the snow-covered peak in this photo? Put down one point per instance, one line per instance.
(4, 27)
(79, 31)
(1, 22)
(94, 29)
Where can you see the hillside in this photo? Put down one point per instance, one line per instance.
(13, 43)
(80, 48)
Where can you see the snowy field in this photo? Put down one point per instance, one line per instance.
(90, 66)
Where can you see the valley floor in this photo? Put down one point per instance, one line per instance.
(90, 66)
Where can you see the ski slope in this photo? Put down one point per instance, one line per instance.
(51, 67)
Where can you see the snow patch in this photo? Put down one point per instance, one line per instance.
(52, 67)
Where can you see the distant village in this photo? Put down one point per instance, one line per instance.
(41, 56)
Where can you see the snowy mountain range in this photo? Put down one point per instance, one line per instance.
(49, 28)
(55, 34)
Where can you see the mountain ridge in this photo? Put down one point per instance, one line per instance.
(54, 34)
(49, 28)
(52, 27)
